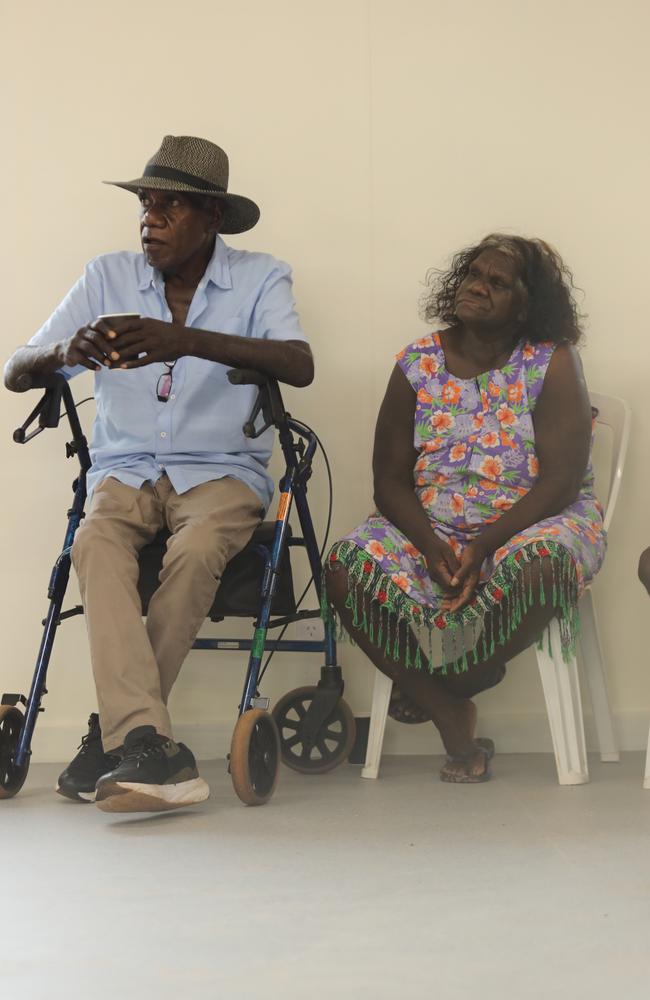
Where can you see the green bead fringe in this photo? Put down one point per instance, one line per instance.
(392, 612)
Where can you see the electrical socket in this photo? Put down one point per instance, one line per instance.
(310, 630)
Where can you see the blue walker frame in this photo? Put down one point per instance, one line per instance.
(258, 749)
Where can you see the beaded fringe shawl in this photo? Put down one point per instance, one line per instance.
(463, 633)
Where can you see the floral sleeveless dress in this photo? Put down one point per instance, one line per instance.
(476, 457)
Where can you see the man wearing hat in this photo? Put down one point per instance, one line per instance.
(168, 450)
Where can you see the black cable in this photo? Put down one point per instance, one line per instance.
(77, 405)
(323, 547)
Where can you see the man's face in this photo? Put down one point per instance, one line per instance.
(175, 228)
(491, 294)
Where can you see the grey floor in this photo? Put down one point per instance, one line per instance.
(338, 888)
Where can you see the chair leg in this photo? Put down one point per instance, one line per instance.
(595, 674)
(562, 695)
(646, 780)
(379, 713)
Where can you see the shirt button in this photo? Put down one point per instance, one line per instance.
(163, 434)
(173, 396)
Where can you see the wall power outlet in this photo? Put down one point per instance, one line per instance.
(310, 630)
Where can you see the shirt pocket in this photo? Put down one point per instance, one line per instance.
(119, 386)
(211, 373)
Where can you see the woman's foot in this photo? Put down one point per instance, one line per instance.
(471, 768)
(402, 709)
(468, 759)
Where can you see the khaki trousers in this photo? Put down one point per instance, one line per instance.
(135, 664)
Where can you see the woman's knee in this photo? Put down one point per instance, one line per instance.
(644, 569)
(474, 680)
(337, 584)
(539, 576)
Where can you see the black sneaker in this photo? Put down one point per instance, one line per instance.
(154, 774)
(81, 775)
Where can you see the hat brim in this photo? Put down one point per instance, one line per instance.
(239, 213)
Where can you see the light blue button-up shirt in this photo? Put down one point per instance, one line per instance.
(196, 436)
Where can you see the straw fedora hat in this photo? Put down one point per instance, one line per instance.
(196, 166)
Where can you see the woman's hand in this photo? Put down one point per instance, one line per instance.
(463, 583)
(442, 564)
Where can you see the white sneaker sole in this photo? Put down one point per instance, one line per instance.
(132, 796)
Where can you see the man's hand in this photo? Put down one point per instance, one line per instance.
(442, 564)
(155, 340)
(116, 342)
(91, 346)
(465, 579)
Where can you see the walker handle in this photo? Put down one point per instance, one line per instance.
(268, 400)
(247, 376)
(48, 408)
(27, 381)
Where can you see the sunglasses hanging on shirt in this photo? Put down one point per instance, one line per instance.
(164, 384)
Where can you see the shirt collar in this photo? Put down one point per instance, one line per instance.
(217, 271)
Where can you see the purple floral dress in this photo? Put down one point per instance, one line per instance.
(476, 457)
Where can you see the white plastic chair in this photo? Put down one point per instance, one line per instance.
(559, 679)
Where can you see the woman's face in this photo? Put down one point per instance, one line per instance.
(491, 295)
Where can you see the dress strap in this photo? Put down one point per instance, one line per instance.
(535, 359)
(421, 359)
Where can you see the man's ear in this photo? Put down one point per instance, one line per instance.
(216, 215)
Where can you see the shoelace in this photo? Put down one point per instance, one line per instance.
(90, 737)
(148, 746)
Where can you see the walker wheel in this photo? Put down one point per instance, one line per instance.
(333, 742)
(12, 778)
(255, 757)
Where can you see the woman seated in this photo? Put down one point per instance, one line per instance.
(486, 523)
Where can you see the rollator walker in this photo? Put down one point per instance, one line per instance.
(311, 729)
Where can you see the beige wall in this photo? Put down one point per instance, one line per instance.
(378, 138)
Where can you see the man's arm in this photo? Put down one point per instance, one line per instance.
(289, 361)
(56, 345)
(95, 344)
(119, 343)
(34, 361)
(88, 347)
(275, 344)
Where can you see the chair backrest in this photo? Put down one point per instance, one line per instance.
(615, 414)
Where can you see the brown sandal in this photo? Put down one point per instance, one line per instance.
(482, 746)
